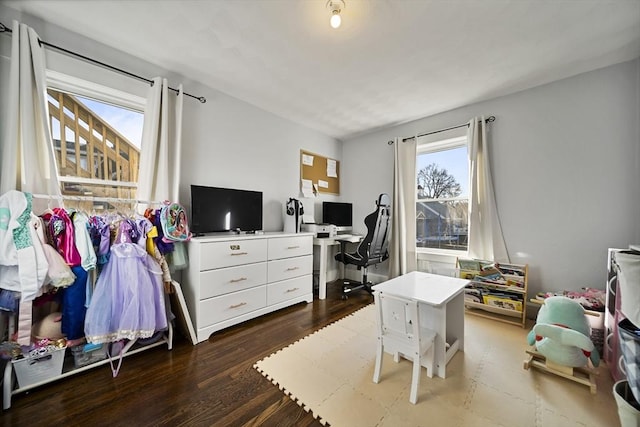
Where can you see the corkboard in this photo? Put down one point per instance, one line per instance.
(318, 174)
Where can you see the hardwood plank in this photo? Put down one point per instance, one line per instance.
(210, 384)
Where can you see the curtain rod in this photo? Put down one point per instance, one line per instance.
(5, 29)
(487, 120)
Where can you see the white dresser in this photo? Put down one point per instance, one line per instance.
(234, 278)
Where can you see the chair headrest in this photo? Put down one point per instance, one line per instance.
(384, 200)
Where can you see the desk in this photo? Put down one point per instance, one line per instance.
(323, 243)
(441, 304)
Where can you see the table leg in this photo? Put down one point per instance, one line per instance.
(455, 320)
(449, 321)
(440, 343)
(322, 275)
(434, 318)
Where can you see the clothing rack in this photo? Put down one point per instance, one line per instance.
(94, 199)
(487, 120)
(5, 29)
(9, 387)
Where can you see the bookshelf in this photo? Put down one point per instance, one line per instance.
(496, 290)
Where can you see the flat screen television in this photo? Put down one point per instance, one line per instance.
(338, 214)
(215, 209)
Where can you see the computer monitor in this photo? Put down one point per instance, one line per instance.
(338, 214)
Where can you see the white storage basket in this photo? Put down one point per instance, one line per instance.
(38, 368)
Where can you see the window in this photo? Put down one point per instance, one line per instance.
(97, 133)
(442, 171)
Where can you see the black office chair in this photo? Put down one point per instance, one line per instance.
(372, 249)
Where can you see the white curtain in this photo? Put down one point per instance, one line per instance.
(402, 246)
(485, 233)
(27, 155)
(161, 144)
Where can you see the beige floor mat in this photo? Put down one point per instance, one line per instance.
(329, 373)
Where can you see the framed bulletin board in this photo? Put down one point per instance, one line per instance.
(322, 172)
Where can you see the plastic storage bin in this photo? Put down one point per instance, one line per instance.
(87, 354)
(41, 367)
(630, 345)
(628, 407)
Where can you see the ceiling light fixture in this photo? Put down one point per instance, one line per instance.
(335, 6)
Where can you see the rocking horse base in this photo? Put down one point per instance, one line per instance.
(585, 375)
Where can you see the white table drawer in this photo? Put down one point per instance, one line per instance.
(231, 279)
(288, 289)
(289, 268)
(286, 247)
(218, 309)
(232, 252)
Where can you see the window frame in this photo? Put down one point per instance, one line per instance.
(433, 145)
(75, 86)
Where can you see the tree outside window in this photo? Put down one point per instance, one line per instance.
(442, 195)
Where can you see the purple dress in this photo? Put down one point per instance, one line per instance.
(128, 300)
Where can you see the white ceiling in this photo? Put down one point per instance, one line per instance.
(392, 61)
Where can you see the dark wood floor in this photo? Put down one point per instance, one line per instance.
(210, 384)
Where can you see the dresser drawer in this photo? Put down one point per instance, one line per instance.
(286, 247)
(218, 309)
(288, 289)
(289, 268)
(225, 280)
(232, 252)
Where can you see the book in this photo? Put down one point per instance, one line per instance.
(501, 302)
(510, 269)
(469, 265)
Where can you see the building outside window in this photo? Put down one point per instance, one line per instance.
(97, 133)
(442, 203)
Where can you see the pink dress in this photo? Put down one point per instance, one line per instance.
(59, 274)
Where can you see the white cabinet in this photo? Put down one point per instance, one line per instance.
(233, 278)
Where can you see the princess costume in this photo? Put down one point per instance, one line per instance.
(128, 300)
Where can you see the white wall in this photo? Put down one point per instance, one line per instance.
(566, 164)
(237, 145)
(565, 155)
(226, 142)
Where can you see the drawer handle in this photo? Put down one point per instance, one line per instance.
(292, 268)
(292, 290)
(238, 305)
(239, 253)
(293, 247)
(237, 280)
